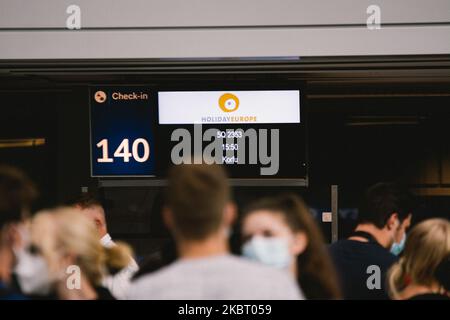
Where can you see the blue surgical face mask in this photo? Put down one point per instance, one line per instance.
(273, 252)
(397, 248)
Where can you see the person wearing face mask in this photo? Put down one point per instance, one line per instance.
(65, 260)
(199, 212)
(90, 205)
(17, 194)
(423, 271)
(281, 232)
(363, 259)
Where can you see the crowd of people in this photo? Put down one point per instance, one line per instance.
(67, 253)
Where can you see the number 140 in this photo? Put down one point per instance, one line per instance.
(123, 151)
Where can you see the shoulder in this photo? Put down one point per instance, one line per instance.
(278, 282)
(354, 252)
(224, 272)
(340, 245)
(152, 282)
(385, 257)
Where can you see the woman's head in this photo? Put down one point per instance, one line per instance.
(64, 237)
(275, 222)
(427, 245)
(280, 231)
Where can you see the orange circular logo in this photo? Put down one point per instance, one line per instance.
(100, 96)
(228, 102)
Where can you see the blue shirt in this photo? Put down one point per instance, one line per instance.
(7, 293)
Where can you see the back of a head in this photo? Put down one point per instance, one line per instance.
(92, 206)
(197, 196)
(383, 199)
(86, 200)
(427, 246)
(17, 193)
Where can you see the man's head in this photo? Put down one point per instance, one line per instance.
(17, 193)
(89, 205)
(388, 207)
(198, 202)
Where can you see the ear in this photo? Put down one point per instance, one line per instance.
(407, 221)
(229, 214)
(299, 243)
(168, 218)
(392, 222)
(98, 223)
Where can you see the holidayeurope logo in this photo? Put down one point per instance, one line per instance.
(225, 107)
(228, 103)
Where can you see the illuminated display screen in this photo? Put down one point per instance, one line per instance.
(141, 132)
(122, 132)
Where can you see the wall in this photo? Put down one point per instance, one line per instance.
(194, 29)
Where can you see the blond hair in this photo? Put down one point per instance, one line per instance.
(427, 245)
(67, 231)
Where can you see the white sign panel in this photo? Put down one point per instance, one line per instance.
(229, 107)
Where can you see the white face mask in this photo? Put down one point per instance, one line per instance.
(273, 252)
(32, 273)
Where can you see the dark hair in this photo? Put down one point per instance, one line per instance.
(197, 195)
(17, 193)
(317, 276)
(86, 200)
(383, 199)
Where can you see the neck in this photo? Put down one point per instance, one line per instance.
(378, 234)
(6, 263)
(102, 233)
(85, 292)
(211, 246)
(415, 289)
(294, 268)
